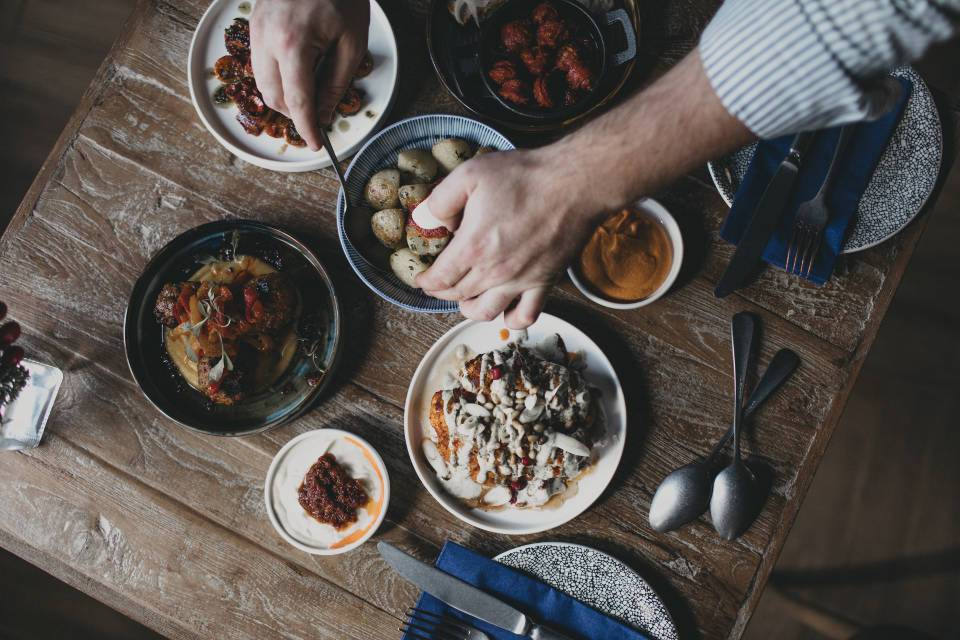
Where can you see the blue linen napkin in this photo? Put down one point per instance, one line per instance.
(541, 602)
(857, 163)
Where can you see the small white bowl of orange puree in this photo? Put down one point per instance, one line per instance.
(632, 258)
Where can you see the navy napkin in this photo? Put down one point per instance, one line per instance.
(857, 162)
(536, 599)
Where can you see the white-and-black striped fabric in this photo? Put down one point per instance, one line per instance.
(781, 66)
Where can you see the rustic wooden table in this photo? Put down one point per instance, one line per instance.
(168, 526)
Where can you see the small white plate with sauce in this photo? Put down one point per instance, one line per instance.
(480, 337)
(287, 472)
(347, 133)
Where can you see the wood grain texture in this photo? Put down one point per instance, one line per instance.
(168, 526)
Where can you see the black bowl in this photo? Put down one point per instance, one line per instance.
(319, 327)
(575, 15)
(454, 54)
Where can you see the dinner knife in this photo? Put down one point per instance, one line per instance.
(765, 217)
(464, 597)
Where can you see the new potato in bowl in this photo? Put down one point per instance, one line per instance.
(416, 173)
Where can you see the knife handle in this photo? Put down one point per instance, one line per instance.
(539, 632)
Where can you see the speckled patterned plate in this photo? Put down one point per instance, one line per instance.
(905, 176)
(421, 132)
(598, 580)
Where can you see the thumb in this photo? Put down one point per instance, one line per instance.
(444, 206)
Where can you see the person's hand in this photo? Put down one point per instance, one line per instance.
(524, 218)
(289, 38)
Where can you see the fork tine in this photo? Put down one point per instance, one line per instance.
(810, 252)
(437, 617)
(435, 632)
(796, 241)
(790, 248)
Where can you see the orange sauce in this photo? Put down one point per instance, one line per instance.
(627, 258)
(373, 509)
(504, 334)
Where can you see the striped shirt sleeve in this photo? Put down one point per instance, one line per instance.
(781, 66)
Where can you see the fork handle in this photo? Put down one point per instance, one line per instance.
(845, 133)
(539, 632)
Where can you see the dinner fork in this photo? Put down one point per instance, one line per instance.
(812, 217)
(427, 625)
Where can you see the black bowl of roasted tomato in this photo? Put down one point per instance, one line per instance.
(233, 328)
(546, 59)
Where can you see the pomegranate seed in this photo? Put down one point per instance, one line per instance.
(513, 497)
(526, 461)
(12, 356)
(3, 310)
(518, 484)
(9, 333)
(496, 373)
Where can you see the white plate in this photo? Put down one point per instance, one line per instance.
(272, 153)
(312, 445)
(485, 336)
(598, 580)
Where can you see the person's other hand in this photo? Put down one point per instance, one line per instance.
(524, 218)
(289, 38)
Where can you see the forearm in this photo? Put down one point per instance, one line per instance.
(652, 138)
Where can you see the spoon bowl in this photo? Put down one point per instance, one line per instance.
(733, 506)
(682, 496)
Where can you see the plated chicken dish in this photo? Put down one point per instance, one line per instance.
(239, 87)
(543, 61)
(230, 328)
(512, 427)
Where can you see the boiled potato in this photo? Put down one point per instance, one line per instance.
(483, 150)
(388, 226)
(381, 190)
(427, 242)
(407, 265)
(418, 165)
(413, 194)
(451, 153)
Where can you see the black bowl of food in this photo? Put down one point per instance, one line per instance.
(546, 59)
(233, 328)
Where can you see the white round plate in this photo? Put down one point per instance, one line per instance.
(905, 176)
(598, 580)
(420, 132)
(485, 336)
(271, 153)
(320, 441)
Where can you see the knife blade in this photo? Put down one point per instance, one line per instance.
(765, 217)
(455, 592)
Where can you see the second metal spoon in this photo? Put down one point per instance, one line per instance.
(736, 492)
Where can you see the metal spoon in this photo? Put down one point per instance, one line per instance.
(736, 492)
(685, 493)
(355, 224)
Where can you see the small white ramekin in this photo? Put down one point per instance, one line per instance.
(658, 212)
(268, 483)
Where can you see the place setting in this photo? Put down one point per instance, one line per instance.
(235, 330)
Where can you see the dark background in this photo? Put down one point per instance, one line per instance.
(878, 538)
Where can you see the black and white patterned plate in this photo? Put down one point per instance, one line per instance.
(420, 132)
(903, 180)
(598, 580)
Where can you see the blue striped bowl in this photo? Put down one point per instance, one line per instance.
(421, 132)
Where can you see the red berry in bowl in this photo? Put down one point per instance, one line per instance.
(496, 372)
(9, 333)
(12, 356)
(526, 461)
(518, 484)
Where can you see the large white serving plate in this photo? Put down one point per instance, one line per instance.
(271, 153)
(485, 336)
